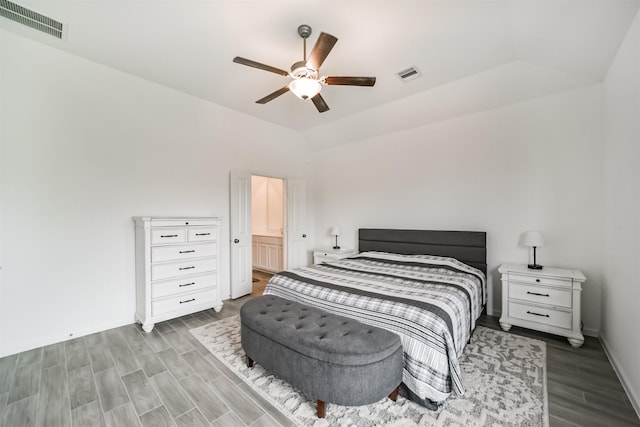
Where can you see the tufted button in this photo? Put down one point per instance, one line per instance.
(323, 325)
(279, 319)
(263, 312)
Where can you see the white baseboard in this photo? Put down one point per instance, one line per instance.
(57, 339)
(591, 332)
(626, 384)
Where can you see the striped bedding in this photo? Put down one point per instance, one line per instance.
(431, 302)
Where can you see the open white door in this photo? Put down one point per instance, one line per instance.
(296, 224)
(240, 233)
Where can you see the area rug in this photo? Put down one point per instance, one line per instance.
(504, 376)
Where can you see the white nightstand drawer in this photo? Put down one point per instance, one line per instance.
(182, 302)
(546, 316)
(538, 294)
(319, 259)
(176, 253)
(540, 280)
(163, 236)
(184, 268)
(330, 255)
(188, 284)
(201, 234)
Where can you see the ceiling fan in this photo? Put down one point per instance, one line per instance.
(307, 83)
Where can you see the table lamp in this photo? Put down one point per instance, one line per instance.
(335, 231)
(533, 239)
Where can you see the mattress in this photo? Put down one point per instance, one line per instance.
(431, 302)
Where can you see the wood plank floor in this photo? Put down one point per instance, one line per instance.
(260, 280)
(124, 377)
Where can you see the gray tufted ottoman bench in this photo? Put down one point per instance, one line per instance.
(329, 358)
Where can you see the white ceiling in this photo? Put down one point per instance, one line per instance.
(473, 54)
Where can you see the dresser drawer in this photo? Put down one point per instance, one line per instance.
(546, 316)
(538, 280)
(178, 222)
(182, 302)
(183, 268)
(179, 252)
(165, 235)
(549, 296)
(201, 234)
(188, 284)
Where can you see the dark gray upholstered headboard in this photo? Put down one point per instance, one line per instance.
(469, 247)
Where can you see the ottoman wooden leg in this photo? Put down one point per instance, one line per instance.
(249, 362)
(394, 394)
(320, 409)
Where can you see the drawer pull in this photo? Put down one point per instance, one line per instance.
(536, 293)
(187, 284)
(168, 235)
(187, 252)
(187, 268)
(538, 314)
(189, 300)
(203, 234)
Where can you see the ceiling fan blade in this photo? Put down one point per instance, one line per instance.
(350, 81)
(254, 64)
(318, 101)
(320, 50)
(273, 95)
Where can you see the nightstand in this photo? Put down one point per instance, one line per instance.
(328, 255)
(546, 300)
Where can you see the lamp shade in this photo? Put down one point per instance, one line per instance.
(336, 231)
(533, 239)
(305, 88)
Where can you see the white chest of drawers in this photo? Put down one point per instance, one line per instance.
(546, 300)
(177, 267)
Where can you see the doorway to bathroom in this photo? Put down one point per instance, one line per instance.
(294, 238)
(267, 229)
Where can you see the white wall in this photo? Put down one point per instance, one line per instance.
(85, 148)
(621, 281)
(533, 165)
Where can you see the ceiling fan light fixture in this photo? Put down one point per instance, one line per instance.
(306, 81)
(305, 88)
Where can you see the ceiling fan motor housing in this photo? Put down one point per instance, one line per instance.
(299, 70)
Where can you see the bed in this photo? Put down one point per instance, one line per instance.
(427, 286)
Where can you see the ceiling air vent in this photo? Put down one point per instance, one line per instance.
(30, 18)
(411, 73)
